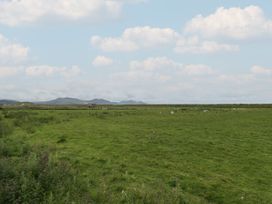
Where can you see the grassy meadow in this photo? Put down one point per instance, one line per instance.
(137, 154)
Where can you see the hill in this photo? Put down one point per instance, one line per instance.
(101, 102)
(131, 102)
(7, 102)
(74, 101)
(63, 101)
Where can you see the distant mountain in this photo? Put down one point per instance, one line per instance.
(101, 102)
(7, 102)
(131, 102)
(64, 101)
(75, 101)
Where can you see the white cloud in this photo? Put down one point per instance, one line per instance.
(113, 44)
(197, 70)
(47, 71)
(168, 82)
(42, 70)
(238, 23)
(140, 78)
(13, 55)
(152, 64)
(160, 70)
(16, 12)
(150, 37)
(102, 61)
(195, 46)
(70, 72)
(155, 70)
(135, 38)
(164, 65)
(8, 71)
(11, 51)
(259, 70)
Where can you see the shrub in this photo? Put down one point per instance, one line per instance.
(29, 175)
(62, 139)
(28, 120)
(39, 180)
(6, 128)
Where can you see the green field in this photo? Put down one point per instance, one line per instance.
(157, 154)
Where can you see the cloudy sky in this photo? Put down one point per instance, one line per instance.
(157, 51)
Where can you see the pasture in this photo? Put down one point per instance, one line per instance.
(154, 154)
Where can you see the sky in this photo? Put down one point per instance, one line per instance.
(155, 51)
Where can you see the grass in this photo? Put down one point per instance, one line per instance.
(30, 174)
(147, 154)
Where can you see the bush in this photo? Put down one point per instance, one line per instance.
(27, 120)
(29, 175)
(62, 139)
(6, 128)
(38, 180)
(11, 148)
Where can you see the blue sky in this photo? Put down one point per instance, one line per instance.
(155, 51)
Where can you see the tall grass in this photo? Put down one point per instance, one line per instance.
(31, 175)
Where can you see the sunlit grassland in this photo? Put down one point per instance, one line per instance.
(163, 154)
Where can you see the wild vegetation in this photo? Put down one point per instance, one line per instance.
(29, 174)
(136, 154)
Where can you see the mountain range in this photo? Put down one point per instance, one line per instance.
(74, 101)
